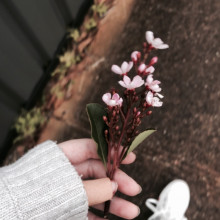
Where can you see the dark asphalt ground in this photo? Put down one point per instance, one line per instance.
(186, 144)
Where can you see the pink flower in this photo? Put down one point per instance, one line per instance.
(112, 101)
(153, 61)
(150, 69)
(152, 84)
(156, 43)
(124, 69)
(152, 100)
(135, 56)
(130, 85)
(141, 68)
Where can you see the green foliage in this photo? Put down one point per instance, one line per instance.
(90, 24)
(74, 34)
(28, 122)
(98, 126)
(60, 70)
(139, 139)
(57, 91)
(100, 9)
(69, 58)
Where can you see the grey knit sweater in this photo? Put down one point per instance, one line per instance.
(42, 185)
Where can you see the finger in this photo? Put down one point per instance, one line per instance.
(121, 208)
(96, 169)
(79, 150)
(100, 190)
(129, 159)
(126, 184)
(91, 216)
(91, 169)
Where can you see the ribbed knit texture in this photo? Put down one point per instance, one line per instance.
(42, 185)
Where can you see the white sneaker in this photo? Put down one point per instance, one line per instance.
(173, 202)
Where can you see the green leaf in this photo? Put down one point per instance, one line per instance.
(139, 139)
(98, 126)
(90, 24)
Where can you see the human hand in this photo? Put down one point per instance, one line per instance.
(82, 154)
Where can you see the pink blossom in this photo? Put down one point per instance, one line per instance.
(152, 100)
(130, 85)
(152, 84)
(124, 69)
(150, 69)
(112, 101)
(142, 68)
(135, 56)
(153, 61)
(156, 43)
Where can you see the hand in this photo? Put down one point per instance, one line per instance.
(82, 154)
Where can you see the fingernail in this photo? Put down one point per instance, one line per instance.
(140, 189)
(139, 211)
(114, 186)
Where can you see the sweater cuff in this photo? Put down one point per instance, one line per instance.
(44, 185)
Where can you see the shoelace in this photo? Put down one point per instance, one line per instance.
(159, 214)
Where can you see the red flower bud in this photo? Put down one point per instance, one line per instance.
(149, 112)
(114, 113)
(153, 61)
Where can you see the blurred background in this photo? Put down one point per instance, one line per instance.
(186, 144)
(33, 33)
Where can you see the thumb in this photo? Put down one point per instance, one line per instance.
(99, 190)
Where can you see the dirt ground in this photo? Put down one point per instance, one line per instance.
(186, 144)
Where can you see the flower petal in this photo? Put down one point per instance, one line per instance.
(149, 79)
(150, 69)
(130, 65)
(106, 98)
(159, 95)
(116, 69)
(126, 80)
(149, 98)
(149, 37)
(137, 81)
(157, 42)
(163, 46)
(122, 83)
(116, 97)
(124, 67)
(142, 67)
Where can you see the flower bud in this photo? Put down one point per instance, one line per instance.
(129, 139)
(114, 113)
(106, 132)
(138, 113)
(135, 56)
(153, 61)
(105, 118)
(149, 112)
(141, 68)
(135, 110)
(117, 127)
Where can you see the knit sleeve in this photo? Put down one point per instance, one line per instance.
(42, 185)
